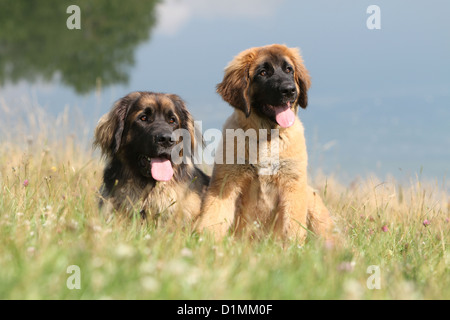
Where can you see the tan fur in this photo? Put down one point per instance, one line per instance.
(240, 198)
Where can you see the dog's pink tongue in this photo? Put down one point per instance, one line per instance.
(162, 169)
(285, 116)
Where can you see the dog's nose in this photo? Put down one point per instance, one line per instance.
(164, 139)
(288, 89)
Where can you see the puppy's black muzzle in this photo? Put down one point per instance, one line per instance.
(288, 91)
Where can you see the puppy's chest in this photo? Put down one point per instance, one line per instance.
(269, 182)
(276, 160)
(274, 168)
(264, 194)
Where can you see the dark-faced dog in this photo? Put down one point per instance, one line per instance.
(136, 138)
(265, 86)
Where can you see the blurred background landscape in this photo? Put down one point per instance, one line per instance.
(379, 102)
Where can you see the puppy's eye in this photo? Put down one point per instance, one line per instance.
(144, 118)
(172, 120)
(263, 73)
(289, 70)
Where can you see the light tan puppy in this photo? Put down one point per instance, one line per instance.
(269, 190)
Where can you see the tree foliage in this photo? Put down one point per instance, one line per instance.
(35, 42)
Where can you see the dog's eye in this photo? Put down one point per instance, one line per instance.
(143, 118)
(172, 120)
(289, 70)
(263, 73)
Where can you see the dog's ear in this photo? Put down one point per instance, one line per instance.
(235, 84)
(302, 77)
(187, 121)
(109, 130)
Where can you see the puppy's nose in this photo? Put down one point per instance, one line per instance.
(164, 139)
(288, 89)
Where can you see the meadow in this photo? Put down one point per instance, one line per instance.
(394, 237)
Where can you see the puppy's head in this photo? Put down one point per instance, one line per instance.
(270, 81)
(139, 132)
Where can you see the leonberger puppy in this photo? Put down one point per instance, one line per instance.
(265, 85)
(136, 138)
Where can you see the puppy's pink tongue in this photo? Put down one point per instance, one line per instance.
(161, 169)
(285, 116)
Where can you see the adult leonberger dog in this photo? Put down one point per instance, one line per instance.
(265, 85)
(136, 138)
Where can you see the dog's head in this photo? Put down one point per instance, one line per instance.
(139, 132)
(270, 81)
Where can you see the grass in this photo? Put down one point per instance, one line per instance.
(49, 220)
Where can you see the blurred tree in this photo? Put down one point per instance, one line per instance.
(35, 42)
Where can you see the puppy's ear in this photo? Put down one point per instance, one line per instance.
(235, 84)
(302, 77)
(109, 130)
(187, 121)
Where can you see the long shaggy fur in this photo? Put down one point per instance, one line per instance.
(239, 196)
(124, 188)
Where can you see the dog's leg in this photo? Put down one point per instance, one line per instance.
(219, 205)
(291, 217)
(319, 219)
(217, 214)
